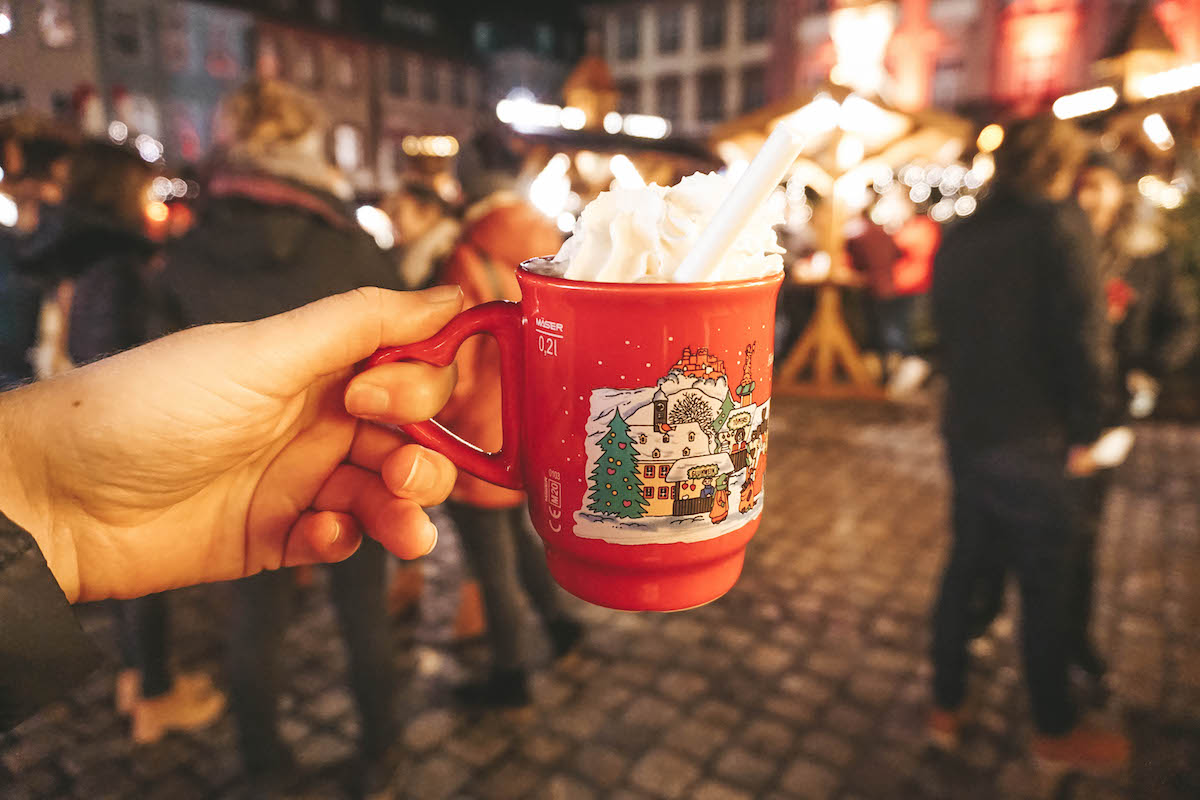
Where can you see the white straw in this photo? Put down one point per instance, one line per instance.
(765, 172)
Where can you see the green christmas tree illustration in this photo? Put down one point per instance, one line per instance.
(616, 485)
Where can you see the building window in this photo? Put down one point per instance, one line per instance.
(268, 58)
(712, 24)
(712, 95)
(663, 469)
(756, 20)
(947, 81)
(347, 147)
(56, 23)
(664, 493)
(641, 438)
(691, 436)
(667, 97)
(458, 87)
(543, 38)
(176, 49)
(630, 96)
(628, 35)
(125, 33)
(687, 451)
(430, 83)
(670, 28)
(648, 471)
(675, 491)
(656, 454)
(304, 64)
(398, 74)
(343, 69)
(327, 10)
(754, 88)
(483, 36)
(648, 493)
(221, 59)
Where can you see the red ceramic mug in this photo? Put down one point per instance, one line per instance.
(635, 417)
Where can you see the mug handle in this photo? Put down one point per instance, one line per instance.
(502, 319)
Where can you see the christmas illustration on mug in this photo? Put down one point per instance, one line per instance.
(681, 461)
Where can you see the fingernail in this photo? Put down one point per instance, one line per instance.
(367, 400)
(440, 295)
(433, 544)
(421, 475)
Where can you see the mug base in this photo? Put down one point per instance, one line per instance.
(677, 589)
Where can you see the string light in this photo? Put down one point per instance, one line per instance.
(1089, 101)
(1172, 81)
(991, 137)
(1157, 131)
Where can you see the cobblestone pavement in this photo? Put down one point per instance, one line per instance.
(808, 680)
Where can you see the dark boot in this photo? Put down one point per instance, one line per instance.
(565, 635)
(503, 688)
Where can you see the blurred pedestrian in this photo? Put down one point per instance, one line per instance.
(1151, 329)
(33, 161)
(873, 253)
(427, 229)
(918, 238)
(99, 250)
(500, 231)
(1151, 307)
(1016, 305)
(276, 230)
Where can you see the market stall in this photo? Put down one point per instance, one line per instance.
(857, 145)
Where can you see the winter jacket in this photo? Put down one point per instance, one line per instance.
(1152, 307)
(19, 301)
(1015, 301)
(874, 253)
(107, 264)
(43, 651)
(263, 245)
(918, 240)
(499, 234)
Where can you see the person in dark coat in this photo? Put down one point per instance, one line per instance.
(1015, 303)
(1151, 328)
(33, 161)
(1150, 306)
(276, 232)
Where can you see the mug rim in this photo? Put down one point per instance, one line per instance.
(524, 274)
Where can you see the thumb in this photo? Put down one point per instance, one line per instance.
(339, 331)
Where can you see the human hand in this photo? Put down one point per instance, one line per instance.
(225, 450)
(1080, 463)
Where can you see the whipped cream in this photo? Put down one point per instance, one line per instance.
(643, 235)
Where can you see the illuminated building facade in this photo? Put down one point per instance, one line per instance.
(987, 55)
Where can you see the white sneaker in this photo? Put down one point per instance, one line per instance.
(908, 378)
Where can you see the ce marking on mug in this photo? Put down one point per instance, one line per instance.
(554, 499)
(549, 334)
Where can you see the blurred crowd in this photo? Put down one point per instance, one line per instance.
(1057, 309)
(88, 269)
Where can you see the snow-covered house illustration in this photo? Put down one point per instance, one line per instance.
(696, 441)
(659, 445)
